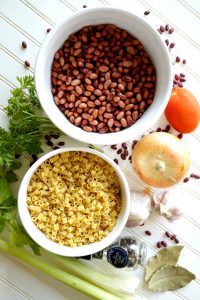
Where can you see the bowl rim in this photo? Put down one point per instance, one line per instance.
(54, 247)
(106, 138)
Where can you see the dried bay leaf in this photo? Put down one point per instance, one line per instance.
(170, 278)
(169, 255)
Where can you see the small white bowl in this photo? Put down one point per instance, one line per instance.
(137, 27)
(51, 246)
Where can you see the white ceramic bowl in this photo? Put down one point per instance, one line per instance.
(49, 245)
(136, 26)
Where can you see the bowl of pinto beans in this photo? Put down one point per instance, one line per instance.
(103, 76)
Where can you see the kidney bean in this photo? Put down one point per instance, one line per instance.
(87, 128)
(121, 104)
(120, 115)
(90, 104)
(78, 89)
(108, 115)
(134, 115)
(78, 121)
(123, 122)
(102, 110)
(103, 69)
(75, 82)
(24, 45)
(27, 63)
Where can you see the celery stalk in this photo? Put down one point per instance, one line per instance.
(123, 284)
(57, 273)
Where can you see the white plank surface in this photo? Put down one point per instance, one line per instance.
(28, 20)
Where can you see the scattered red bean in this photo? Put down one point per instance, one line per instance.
(167, 128)
(178, 59)
(124, 145)
(119, 151)
(163, 243)
(126, 153)
(130, 158)
(182, 79)
(116, 161)
(186, 179)
(147, 12)
(167, 42)
(158, 129)
(56, 147)
(184, 61)
(167, 234)
(84, 6)
(175, 81)
(50, 143)
(162, 28)
(134, 142)
(61, 143)
(55, 136)
(176, 76)
(48, 30)
(24, 45)
(195, 176)
(27, 63)
(47, 137)
(158, 244)
(182, 74)
(166, 27)
(114, 147)
(176, 241)
(147, 232)
(172, 45)
(180, 84)
(123, 157)
(180, 136)
(173, 237)
(171, 30)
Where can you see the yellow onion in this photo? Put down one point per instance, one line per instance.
(161, 159)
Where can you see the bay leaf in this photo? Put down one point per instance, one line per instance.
(170, 278)
(169, 255)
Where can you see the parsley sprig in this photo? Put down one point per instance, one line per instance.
(26, 130)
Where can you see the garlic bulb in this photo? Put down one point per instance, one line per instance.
(161, 159)
(140, 209)
(171, 203)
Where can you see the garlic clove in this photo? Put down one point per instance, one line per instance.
(140, 209)
(171, 203)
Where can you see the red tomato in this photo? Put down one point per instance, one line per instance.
(183, 111)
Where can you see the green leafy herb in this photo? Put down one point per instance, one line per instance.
(26, 130)
(170, 278)
(169, 255)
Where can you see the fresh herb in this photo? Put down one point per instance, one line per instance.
(26, 130)
(162, 272)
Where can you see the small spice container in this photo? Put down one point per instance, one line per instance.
(126, 253)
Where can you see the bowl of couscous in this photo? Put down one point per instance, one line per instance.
(74, 201)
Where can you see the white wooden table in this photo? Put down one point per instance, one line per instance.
(28, 20)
